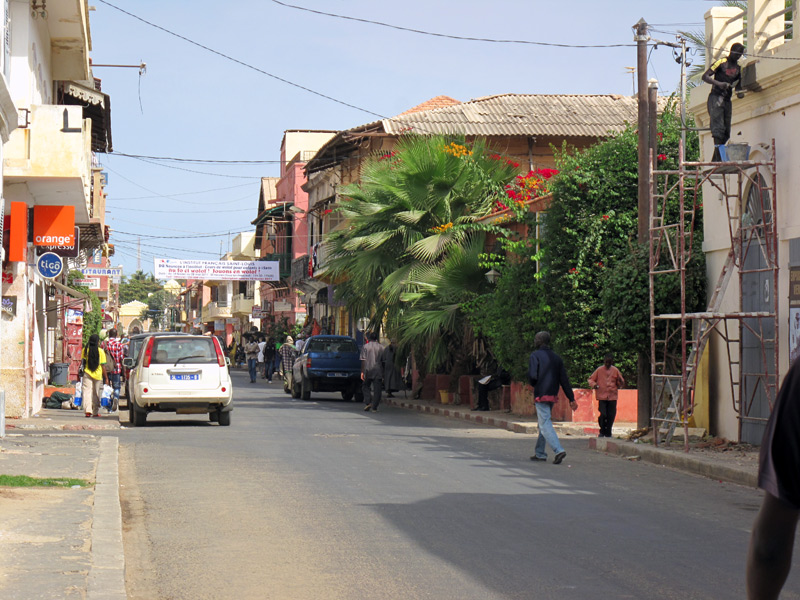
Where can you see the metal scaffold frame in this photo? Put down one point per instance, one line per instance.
(677, 340)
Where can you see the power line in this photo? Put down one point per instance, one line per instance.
(181, 193)
(199, 160)
(158, 164)
(448, 36)
(240, 62)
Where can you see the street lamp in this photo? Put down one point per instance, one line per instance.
(492, 276)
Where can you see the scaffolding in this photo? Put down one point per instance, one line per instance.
(747, 190)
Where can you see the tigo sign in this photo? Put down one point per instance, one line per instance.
(54, 226)
(49, 265)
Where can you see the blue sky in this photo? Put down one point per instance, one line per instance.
(192, 103)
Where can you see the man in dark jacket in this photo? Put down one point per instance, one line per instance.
(546, 373)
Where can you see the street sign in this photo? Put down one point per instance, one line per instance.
(49, 265)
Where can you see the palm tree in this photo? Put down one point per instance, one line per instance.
(409, 253)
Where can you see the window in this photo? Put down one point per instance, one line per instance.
(331, 345)
(183, 351)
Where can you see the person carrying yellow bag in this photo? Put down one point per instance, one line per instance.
(93, 359)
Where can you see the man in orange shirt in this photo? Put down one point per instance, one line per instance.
(607, 380)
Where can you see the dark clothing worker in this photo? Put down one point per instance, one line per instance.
(723, 76)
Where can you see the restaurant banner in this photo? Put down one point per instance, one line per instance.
(216, 270)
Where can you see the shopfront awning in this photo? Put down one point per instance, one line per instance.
(69, 291)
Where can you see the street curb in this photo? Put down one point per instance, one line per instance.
(107, 573)
(676, 460)
(508, 423)
(658, 456)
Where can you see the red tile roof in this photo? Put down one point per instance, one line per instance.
(438, 102)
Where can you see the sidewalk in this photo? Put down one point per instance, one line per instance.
(722, 463)
(61, 542)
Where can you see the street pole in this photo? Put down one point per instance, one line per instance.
(643, 361)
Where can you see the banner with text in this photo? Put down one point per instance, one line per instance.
(217, 270)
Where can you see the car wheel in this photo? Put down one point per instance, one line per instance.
(347, 395)
(224, 418)
(213, 416)
(139, 417)
(305, 388)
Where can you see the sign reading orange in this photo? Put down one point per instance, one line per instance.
(53, 225)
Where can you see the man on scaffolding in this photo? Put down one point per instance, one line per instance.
(722, 76)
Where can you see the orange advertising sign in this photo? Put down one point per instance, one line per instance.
(53, 225)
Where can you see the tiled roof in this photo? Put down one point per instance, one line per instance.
(523, 114)
(438, 102)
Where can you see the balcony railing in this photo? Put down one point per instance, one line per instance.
(242, 304)
(217, 310)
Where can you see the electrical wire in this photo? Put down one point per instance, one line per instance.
(445, 35)
(199, 160)
(240, 62)
(180, 193)
(183, 212)
(158, 164)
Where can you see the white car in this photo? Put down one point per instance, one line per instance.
(184, 374)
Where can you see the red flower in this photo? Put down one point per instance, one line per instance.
(600, 264)
(660, 136)
(513, 164)
(573, 270)
(662, 157)
(605, 217)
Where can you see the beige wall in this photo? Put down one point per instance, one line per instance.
(773, 112)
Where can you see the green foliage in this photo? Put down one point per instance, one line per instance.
(26, 481)
(409, 257)
(138, 286)
(595, 281)
(157, 303)
(509, 316)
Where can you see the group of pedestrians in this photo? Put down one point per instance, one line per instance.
(101, 364)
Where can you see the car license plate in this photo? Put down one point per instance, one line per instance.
(185, 377)
(337, 374)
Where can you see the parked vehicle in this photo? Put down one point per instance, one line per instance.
(135, 343)
(328, 363)
(181, 373)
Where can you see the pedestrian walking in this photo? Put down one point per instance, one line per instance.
(769, 559)
(92, 360)
(300, 343)
(262, 343)
(723, 76)
(251, 355)
(372, 371)
(116, 350)
(546, 373)
(392, 382)
(287, 353)
(269, 359)
(607, 381)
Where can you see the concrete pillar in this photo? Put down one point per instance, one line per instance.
(724, 27)
(762, 24)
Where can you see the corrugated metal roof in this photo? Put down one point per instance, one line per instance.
(523, 114)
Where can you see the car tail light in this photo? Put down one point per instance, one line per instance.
(223, 389)
(220, 353)
(148, 352)
(308, 363)
(145, 390)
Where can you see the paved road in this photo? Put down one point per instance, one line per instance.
(320, 500)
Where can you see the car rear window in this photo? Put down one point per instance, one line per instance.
(185, 351)
(332, 346)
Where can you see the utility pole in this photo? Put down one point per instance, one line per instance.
(643, 362)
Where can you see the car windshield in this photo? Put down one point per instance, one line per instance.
(184, 351)
(331, 345)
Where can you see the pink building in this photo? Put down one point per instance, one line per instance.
(282, 225)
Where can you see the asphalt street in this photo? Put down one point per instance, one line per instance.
(319, 499)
